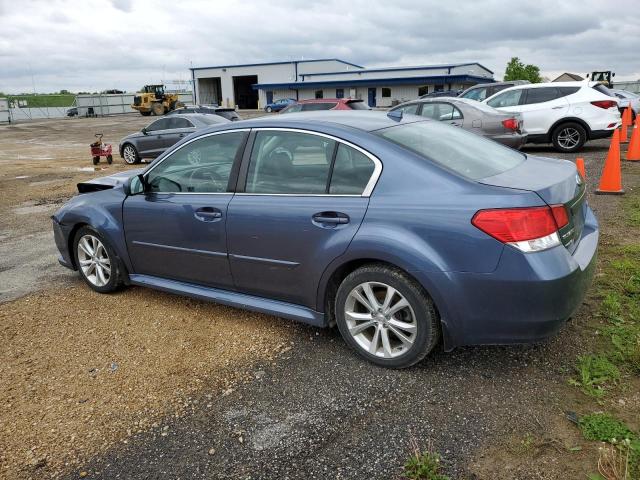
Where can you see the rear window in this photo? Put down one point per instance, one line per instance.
(358, 105)
(465, 153)
(210, 119)
(310, 107)
(602, 89)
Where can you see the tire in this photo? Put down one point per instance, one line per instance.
(130, 154)
(145, 114)
(109, 159)
(103, 276)
(269, 110)
(96, 160)
(417, 321)
(569, 137)
(158, 109)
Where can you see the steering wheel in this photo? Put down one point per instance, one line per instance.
(207, 173)
(279, 150)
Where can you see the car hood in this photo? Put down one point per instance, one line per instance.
(110, 181)
(132, 135)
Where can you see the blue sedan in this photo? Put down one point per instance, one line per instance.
(278, 105)
(402, 231)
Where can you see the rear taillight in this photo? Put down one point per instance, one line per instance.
(510, 124)
(529, 229)
(605, 103)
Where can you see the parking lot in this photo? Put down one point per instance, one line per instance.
(142, 384)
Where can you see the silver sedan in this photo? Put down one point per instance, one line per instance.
(505, 128)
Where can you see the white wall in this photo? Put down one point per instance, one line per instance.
(4, 110)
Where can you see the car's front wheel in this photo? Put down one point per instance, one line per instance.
(569, 137)
(96, 261)
(130, 154)
(386, 316)
(269, 109)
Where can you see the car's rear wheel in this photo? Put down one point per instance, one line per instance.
(130, 154)
(96, 261)
(386, 317)
(569, 137)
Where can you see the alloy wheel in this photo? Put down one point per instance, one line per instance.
(129, 154)
(94, 260)
(380, 320)
(568, 138)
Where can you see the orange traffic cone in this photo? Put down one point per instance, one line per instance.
(626, 123)
(580, 167)
(633, 153)
(611, 179)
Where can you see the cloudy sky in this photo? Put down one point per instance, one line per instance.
(102, 44)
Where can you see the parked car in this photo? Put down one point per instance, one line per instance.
(228, 113)
(72, 112)
(567, 114)
(155, 138)
(483, 91)
(442, 93)
(405, 232)
(628, 99)
(278, 105)
(326, 104)
(505, 128)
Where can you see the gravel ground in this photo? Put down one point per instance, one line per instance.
(147, 385)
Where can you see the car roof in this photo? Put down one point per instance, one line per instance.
(364, 120)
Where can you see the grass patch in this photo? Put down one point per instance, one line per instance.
(423, 465)
(604, 428)
(43, 100)
(595, 374)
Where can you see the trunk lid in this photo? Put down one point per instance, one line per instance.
(556, 182)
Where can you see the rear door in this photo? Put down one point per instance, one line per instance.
(301, 198)
(541, 108)
(178, 129)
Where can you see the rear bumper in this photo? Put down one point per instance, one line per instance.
(596, 134)
(526, 299)
(515, 140)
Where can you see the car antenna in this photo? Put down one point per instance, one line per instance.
(395, 115)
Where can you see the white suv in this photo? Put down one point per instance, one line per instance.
(566, 114)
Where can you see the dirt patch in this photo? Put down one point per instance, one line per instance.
(83, 371)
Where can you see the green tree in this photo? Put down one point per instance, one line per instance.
(516, 70)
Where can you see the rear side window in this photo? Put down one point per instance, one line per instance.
(311, 107)
(162, 124)
(351, 171)
(465, 153)
(179, 123)
(440, 111)
(289, 162)
(293, 109)
(509, 98)
(540, 95)
(564, 91)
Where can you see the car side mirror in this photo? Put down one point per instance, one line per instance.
(135, 185)
(144, 131)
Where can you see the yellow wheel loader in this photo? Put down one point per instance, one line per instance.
(154, 100)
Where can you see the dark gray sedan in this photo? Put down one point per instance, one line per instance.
(505, 128)
(156, 137)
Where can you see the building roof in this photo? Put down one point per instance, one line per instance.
(278, 63)
(392, 69)
(573, 76)
(377, 82)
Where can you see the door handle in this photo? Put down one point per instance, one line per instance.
(208, 214)
(181, 135)
(330, 218)
(557, 108)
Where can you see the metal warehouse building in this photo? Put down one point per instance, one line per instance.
(254, 85)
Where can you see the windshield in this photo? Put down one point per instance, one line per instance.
(358, 105)
(467, 154)
(478, 94)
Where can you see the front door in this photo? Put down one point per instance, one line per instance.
(372, 97)
(155, 139)
(296, 213)
(176, 229)
(269, 97)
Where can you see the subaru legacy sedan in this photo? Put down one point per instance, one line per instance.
(404, 232)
